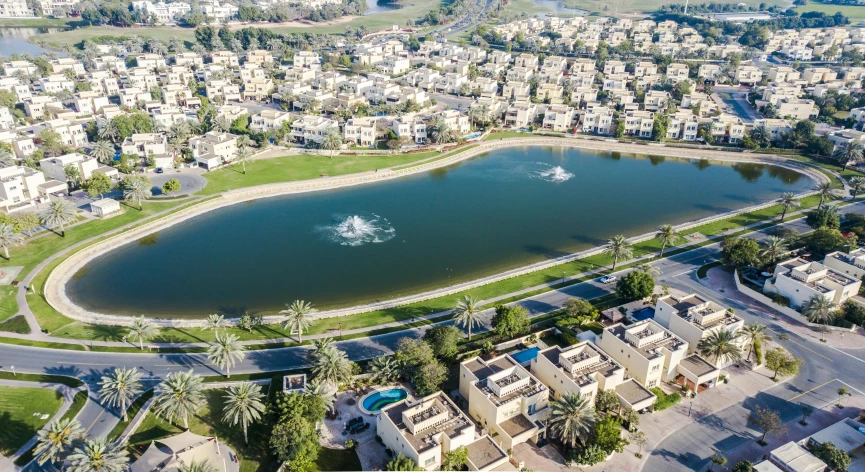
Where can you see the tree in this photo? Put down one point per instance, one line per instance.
(443, 340)
(788, 200)
(9, 238)
(98, 184)
(401, 463)
(842, 392)
(768, 421)
(849, 152)
(608, 435)
(456, 459)
(196, 466)
(571, 419)
(171, 186)
(467, 313)
(819, 309)
(782, 362)
(98, 455)
(295, 442)
(142, 329)
(826, 240)
(59, 213)
(119, 388)
(826, 217)
(774, 247)
(807, 410)
(241, 156)
(509, 321)
(720, 346)
(743, 466)
(824, 189)
(857, 184)
(429, 377)
(331, 140)
(243, 404)
(666, 235)
(640, 439)
(619, 248)
(332, 366)
(215, 322)
(181, 395)
(740, 252)
(754, 333)
(719, 459)
(606, 401)
(835, 458)
(580, 310)
(137, 189)
(383, 370)
(298, 317)
(225, 351)
(56, 441)
(635, 285)
(323, 390)
(103, 151)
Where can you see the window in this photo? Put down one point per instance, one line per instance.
(652, 383)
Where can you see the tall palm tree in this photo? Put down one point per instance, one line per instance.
(849, 152)
(857, 184)
(137, 190)
(243, 404)
(819, 309)
(571, 419)
(823, 189)
(667, 235)
(241, 156)
(384, 369)
(197, 466)
(9, 238)
(788, 200)
(221, 124)
(467, 313)
(56, 441)
(103, 151)
(298, 317)
(98, 455)
(333, 366)
(107, 129)
(774, 247)
(332, 140)
(322, 389)
(142, 329)
(181, 395)
(754, 333)
(215, 322)
(319, 347)
(649, 269)
(59, 213)
(619, 248)
(720, 346)
(119, 388)
(225, 351)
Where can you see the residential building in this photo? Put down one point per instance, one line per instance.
(693, 318)
(213, 149)
(54, 168)
(850, 263)
(799, 280)
(649, 352)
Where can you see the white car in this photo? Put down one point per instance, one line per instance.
(608, 279)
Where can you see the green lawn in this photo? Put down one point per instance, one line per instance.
(39, 22)
(855, 12)
(76, 36)
(47, 378)
(412, 10)
(78, 403)
(208, 422)
(336, 460)
(642, 6)
(8, 304)
(17, 324)
(507, 135)
(18, 406)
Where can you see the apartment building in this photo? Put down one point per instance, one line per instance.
(848, 263)
(649, 352)
(692, 318)
(505, 399)
(677, 72)
(799, 280)
(411, 127)
(15, 9)
(775, 127)
(683, 125)
(709, 71)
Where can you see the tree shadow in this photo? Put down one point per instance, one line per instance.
(546, 252)
(14, 433)
(66, 370)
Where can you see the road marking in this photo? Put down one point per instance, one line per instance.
(683, 273)
(852, 387)
(95, 421)
(846, 353)
(180, 365)
(811, 390)
(79, 363)
(803, 346)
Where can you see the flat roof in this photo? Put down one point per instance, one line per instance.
(632, 392)
(517, 425)
(795, 458)
(843, 434)
(698, 366)
(484, 452)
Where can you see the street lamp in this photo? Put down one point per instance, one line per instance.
(13, 371)
(690, 406)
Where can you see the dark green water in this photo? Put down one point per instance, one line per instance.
(479, 217)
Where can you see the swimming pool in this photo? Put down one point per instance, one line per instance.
(643, 314)
(526, 355)
(377, 400)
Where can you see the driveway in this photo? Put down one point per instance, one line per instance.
(190, 181)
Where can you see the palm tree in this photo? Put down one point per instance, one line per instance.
(142, 329)
(103, 151)
(241, 156)
(849, 152)
(857, 184)
(243, 404)
(221, 124)
(244, 140)
(215, 322)
(331, 140)
(819, 309)
(649, 269)
(120, 388)
(9, 238)
(319, 347)
(439, 131)
(467, 313)
(619, 248)
(137, 190)
(788, 200)
(98, 455)
(59, 213)
(180, 396)
(298, 317)
(721, 346)
(825, 191)
(107, 129)
(754, 333)
(322, 389)
(383, 370)
(571, 419)
(56, 441)
(774, 247)
(195, 466)
(225, 351)
(666, 235)
(332, 366)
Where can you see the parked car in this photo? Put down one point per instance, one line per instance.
(159, 170)
(608, 279)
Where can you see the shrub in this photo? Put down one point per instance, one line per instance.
(665, 401)
(758, 351)
(589, 455)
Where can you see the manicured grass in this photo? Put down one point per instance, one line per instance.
(412, 10)
(133, 410)
(47, 378)
(703, 270)
(17, 408)
(336, 460)
(855, 12)
(208, 422)
(17, 325)
(78, 402)
(8, 304)
(664, 400)
(637, 6)
(39, 22)
(554, 340)
(74, 37)
(302, 167)
(507, 135)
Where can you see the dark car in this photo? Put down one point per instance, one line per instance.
(159, 170)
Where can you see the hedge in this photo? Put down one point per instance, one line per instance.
(665, 401)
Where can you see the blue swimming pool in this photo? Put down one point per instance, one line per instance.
(526, 355)
(643, 314)
(379, 400)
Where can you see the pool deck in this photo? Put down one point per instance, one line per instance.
(380, 389)
(347, 405)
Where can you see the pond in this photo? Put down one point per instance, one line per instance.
(501, 210)
(380, 6)
(558, 6)
(14, 41)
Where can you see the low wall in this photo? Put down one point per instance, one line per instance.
(56, 296)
